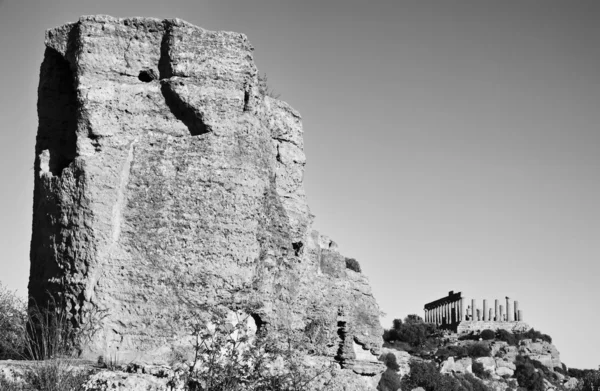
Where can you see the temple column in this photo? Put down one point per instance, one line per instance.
(473, 310)
(516, 310)
(510, 315)
(496, 313)
(446, 312)
(501, 314)
(485, 310)
(437, 316)
(463, 310)
(520, 315)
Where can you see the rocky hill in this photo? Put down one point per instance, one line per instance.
(166, 181)
(421, 357)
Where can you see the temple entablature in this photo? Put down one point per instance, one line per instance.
(454, 312)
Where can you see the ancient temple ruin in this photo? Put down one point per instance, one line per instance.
(454, 312)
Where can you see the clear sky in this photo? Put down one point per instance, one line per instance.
(451, 145)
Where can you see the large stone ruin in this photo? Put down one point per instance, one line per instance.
(453, 312)
(165, 179)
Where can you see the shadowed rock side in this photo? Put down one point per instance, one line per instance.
(163, 179)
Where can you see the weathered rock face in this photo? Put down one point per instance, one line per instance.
(165, 180)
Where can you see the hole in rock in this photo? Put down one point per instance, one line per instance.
(298, 247)
(258, 321)
(147, 75)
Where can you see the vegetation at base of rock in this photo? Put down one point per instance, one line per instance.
(48, 375)
(227, 355)
(413, 330)
(38, 333)
(353, 264)
(427, 376)
(13, 316)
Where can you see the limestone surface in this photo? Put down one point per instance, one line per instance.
(164, 181)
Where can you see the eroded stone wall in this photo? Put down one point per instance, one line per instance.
(165, 180)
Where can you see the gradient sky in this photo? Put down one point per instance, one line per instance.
(451, 145)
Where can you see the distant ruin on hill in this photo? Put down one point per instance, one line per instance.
(455, 313)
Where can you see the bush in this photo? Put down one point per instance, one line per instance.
(228, 356)
(451, 351)
(353, 264)
(590, 381)
(391, 362)
(413, 331)
(12, 325)
(507, 337)
(389, 381)
(487, 335)
(578, 373)
(426, 375)
(479, 370)
(478, 350)
(56, 375)
(527, 376)
(535, 335)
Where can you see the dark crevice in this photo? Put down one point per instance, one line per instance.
(246, 100)
(95, 141)
(183, 111)
(342, 333)
(165, 68)
(147, 75)
(57, 111)
(298, 248)
(259, 323)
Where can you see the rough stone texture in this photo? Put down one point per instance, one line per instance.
(541, 351)
(471, 326)
(463, 365)
(165, 180)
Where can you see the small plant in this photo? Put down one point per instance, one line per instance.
(487, 335)
(264, 89)
(56, 375)
(13, 317)
(353, 264)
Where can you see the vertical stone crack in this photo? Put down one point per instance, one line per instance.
(181, 109)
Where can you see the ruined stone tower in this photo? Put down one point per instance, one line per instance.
(164, 178)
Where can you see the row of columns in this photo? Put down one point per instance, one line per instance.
(458, 311)
(445, 313)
